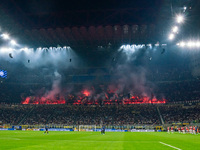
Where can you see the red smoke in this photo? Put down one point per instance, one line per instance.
(136, 100)
(86, 97)
(50, 97)
(84, 100)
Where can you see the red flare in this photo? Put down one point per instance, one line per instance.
(27, 100)
(42, 100)
(86, 93)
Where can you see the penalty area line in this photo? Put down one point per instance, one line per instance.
(170, 145)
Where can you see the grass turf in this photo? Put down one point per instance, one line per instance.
(29, 140)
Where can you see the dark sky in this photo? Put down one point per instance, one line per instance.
(36, 6)
(22, 9)
(30, 13)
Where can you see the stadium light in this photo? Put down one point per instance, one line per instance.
(175, 29)
(190, 44)
(5, 36)
(180, 19)
(6, 50)
(198, 44)
(25, 48)
(182, 44)
(171, 36)
(13, 42)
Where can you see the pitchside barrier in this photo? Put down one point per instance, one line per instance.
(7, 129)
(57, 129)
(97, 128)
(84, 127)
(86, 130)
(94, 128)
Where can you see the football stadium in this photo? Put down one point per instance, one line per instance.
(95, 75)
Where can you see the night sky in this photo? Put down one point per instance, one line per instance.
(31, 13)
(38, 6)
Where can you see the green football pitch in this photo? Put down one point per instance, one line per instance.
(25, 140)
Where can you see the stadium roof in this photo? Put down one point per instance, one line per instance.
(88, 23)
(92, 36)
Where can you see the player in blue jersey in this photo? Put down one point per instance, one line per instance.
(46, 130)
(103, 130)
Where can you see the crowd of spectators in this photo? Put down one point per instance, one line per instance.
(93, 115)
(76, 115)
(178, 114)
(13, 114)
(96, 115)
(179, 91)
(170, 74)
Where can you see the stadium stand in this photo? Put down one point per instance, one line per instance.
(96, 115)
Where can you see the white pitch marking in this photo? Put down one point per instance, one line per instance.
(170, 146)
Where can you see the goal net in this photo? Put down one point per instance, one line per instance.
(87, 128)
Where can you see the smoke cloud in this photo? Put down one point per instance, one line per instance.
(56, 89)
(128, 79)
(31, 58)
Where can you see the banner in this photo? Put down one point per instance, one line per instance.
(3, 129)
(112, 130)
(57, 129)
(134, 130)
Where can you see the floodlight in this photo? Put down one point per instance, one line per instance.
(182, 44)
(25, 49)
(5, 36)
(122, 46)
(198, 44)
(171, 36)
(175, 29)
(191, 44)
(180, 19)
(13, 42)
